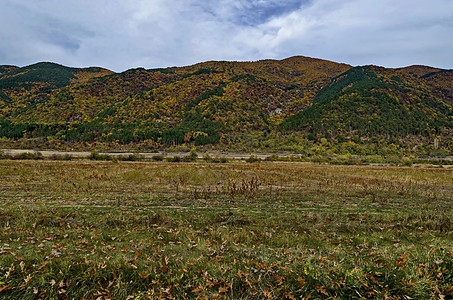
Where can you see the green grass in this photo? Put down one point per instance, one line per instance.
(150, 230)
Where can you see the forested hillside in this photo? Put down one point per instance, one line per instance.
(293, 104)
(371, 101)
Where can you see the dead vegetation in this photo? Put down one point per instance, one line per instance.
(139, 230)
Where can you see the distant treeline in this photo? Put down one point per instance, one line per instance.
(98, 131)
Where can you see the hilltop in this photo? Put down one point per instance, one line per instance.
(293, 104)
(20, 86)
(46, 73)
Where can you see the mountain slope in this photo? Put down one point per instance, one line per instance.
(7, 68)
(211, 96)
(371, 101)
(21, 86)
(418, 70)
(48, 74)
(221, 102)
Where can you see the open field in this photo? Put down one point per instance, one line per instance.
(273, 230)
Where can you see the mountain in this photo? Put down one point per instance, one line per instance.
(21, 86)
(252, 104)
(370, 101)
(5, 68)
(418, 71)
(47, 74)
(17, 83)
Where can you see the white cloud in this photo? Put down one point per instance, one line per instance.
(364, 32)
(158, 33)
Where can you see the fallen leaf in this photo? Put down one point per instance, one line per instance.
(438, 261)
(144, 275)
(197, 289)
(5, 288)
(61, 284)
(322, 290)
(27, 279)
(22, 265)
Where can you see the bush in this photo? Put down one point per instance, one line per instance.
(320, 159)
(253, 159)
(96, 156)
(273, 157)
(157, 158)
(375, 159)
(394, 160)
(131, 157)
(29, 156)
(61, 157)
(209, 159)
(223, 160)
(193, 156)
(406, 161)
(174, 159)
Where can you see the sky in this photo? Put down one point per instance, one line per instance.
(124, 34)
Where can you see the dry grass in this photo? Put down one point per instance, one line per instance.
(104, 230)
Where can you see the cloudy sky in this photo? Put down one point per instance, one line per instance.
(122, 34)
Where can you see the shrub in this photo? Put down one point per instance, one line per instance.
(96, 156)
(174, 159)
(157, 158)
(273, 157)
(131, 157)
(253, 159)
(223, 160)
(29, 156)
(61, 157)
(207, 157)
(193, 156)
(406, 161)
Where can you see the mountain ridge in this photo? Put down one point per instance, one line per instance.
(223, 103)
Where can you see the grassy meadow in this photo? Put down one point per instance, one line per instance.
(272, 230)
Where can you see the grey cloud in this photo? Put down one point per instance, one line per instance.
(159, 33)
(255, 12)
(59, 33)
(369, 32)
(39, 33)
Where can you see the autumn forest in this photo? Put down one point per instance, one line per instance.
(297, 104)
